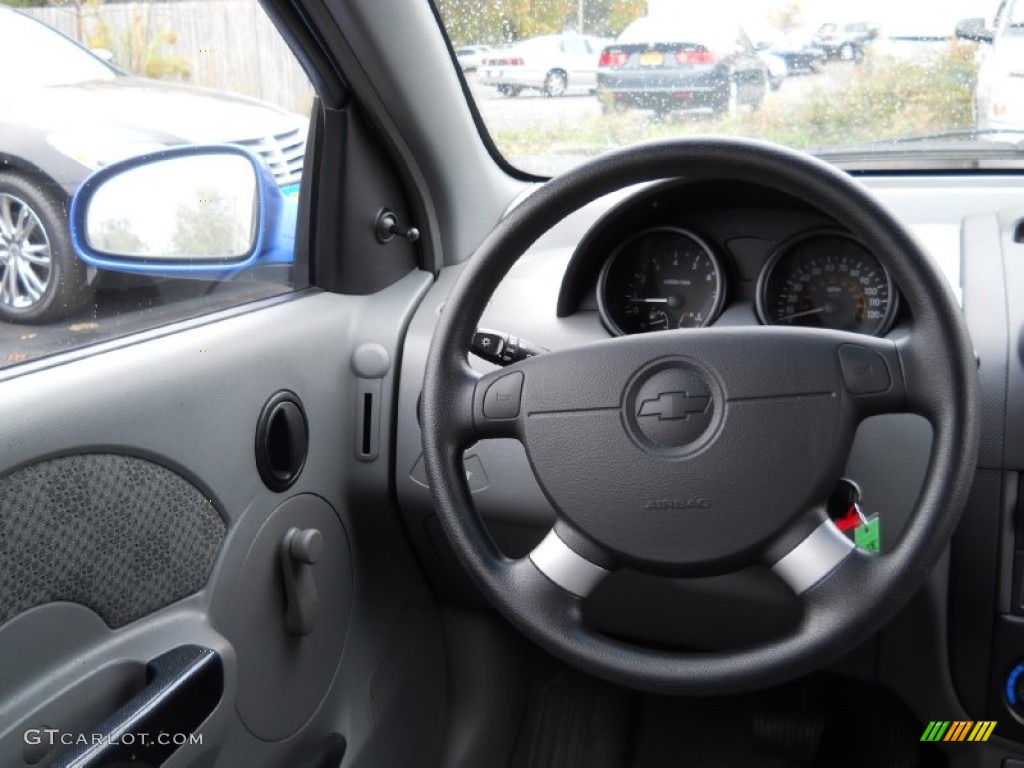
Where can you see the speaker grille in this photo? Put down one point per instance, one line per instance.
(117, 534)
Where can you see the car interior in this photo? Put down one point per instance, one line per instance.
(477, 498)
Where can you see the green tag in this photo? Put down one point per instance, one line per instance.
(869, 536)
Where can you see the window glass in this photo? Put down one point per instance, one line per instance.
(872, 85)
(99, 84)
(575, 46)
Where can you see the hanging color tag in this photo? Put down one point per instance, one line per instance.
(868, 536)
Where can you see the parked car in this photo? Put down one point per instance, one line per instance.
(552, 64)
(775, 67)
(70, 113)
(677, 62)
(471, 56)
(1000, 85)
(845, 41)
(798, 55)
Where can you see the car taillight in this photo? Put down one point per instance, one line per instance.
(613, 59)
(695, 57)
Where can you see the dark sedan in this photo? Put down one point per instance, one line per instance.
(668, 63)
(799, 57)
(71, 113)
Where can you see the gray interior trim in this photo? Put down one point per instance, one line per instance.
(400, 70)
(568, 569)
(814, 558)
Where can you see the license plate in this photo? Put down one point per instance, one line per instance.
(651, 59)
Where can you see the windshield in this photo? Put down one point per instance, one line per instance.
(875, 84)
(55, 60)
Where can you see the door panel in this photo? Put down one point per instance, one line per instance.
(134, 505)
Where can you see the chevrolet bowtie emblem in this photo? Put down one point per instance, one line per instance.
(674, 405)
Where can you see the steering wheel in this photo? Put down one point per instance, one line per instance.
(700, 451)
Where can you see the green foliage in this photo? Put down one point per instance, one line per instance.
(145, 51)
(140, 48)
(882, 100)
(502, 21)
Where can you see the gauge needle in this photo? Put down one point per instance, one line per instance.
(649, 301)
(817, 311)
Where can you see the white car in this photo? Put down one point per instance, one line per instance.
(552, 64)
(1000, 94)
(471, 56)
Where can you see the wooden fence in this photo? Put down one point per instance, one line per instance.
(229, 45)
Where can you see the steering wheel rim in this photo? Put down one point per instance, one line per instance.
(846, 594)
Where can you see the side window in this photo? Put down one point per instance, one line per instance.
(574, 46)
(101, 83)
(1016, 16)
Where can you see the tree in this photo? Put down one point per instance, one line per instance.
(609, 17)
(788, 17)
(504, 21)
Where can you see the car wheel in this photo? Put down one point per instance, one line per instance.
(555, 84)
(774, 82)
(40, 278)
(847, 52)
(729, 99)
(509, 91)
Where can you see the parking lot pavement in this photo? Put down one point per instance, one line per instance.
(118, 313)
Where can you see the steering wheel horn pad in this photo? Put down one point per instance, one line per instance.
(700, 451)
(668, 454)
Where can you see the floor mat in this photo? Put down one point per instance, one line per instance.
(820, 722)
(574, 721)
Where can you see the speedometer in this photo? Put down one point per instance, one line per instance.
(827, 280)
(660, 279)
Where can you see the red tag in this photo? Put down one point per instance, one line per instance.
(850, 520)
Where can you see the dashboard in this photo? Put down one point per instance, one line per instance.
(723, 253)
(679, 256)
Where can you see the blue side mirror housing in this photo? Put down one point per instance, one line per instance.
(204, 212)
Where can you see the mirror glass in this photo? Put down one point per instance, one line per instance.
(177, 208)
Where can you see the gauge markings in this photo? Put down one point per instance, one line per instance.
(660, 279)
(826, 280)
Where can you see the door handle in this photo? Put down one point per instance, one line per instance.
(185, 684)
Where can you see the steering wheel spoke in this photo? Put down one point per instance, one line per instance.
(816, 554)
(565, 566)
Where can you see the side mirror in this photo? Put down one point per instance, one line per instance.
(103, 53)
(762, 45)
(207, 212)
(974, 29)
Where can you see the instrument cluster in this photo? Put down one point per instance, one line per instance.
(666, 277)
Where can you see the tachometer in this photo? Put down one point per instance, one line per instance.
(663, 278)
(827, 280)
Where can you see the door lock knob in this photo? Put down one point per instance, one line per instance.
(300, 550)
(306, 546)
